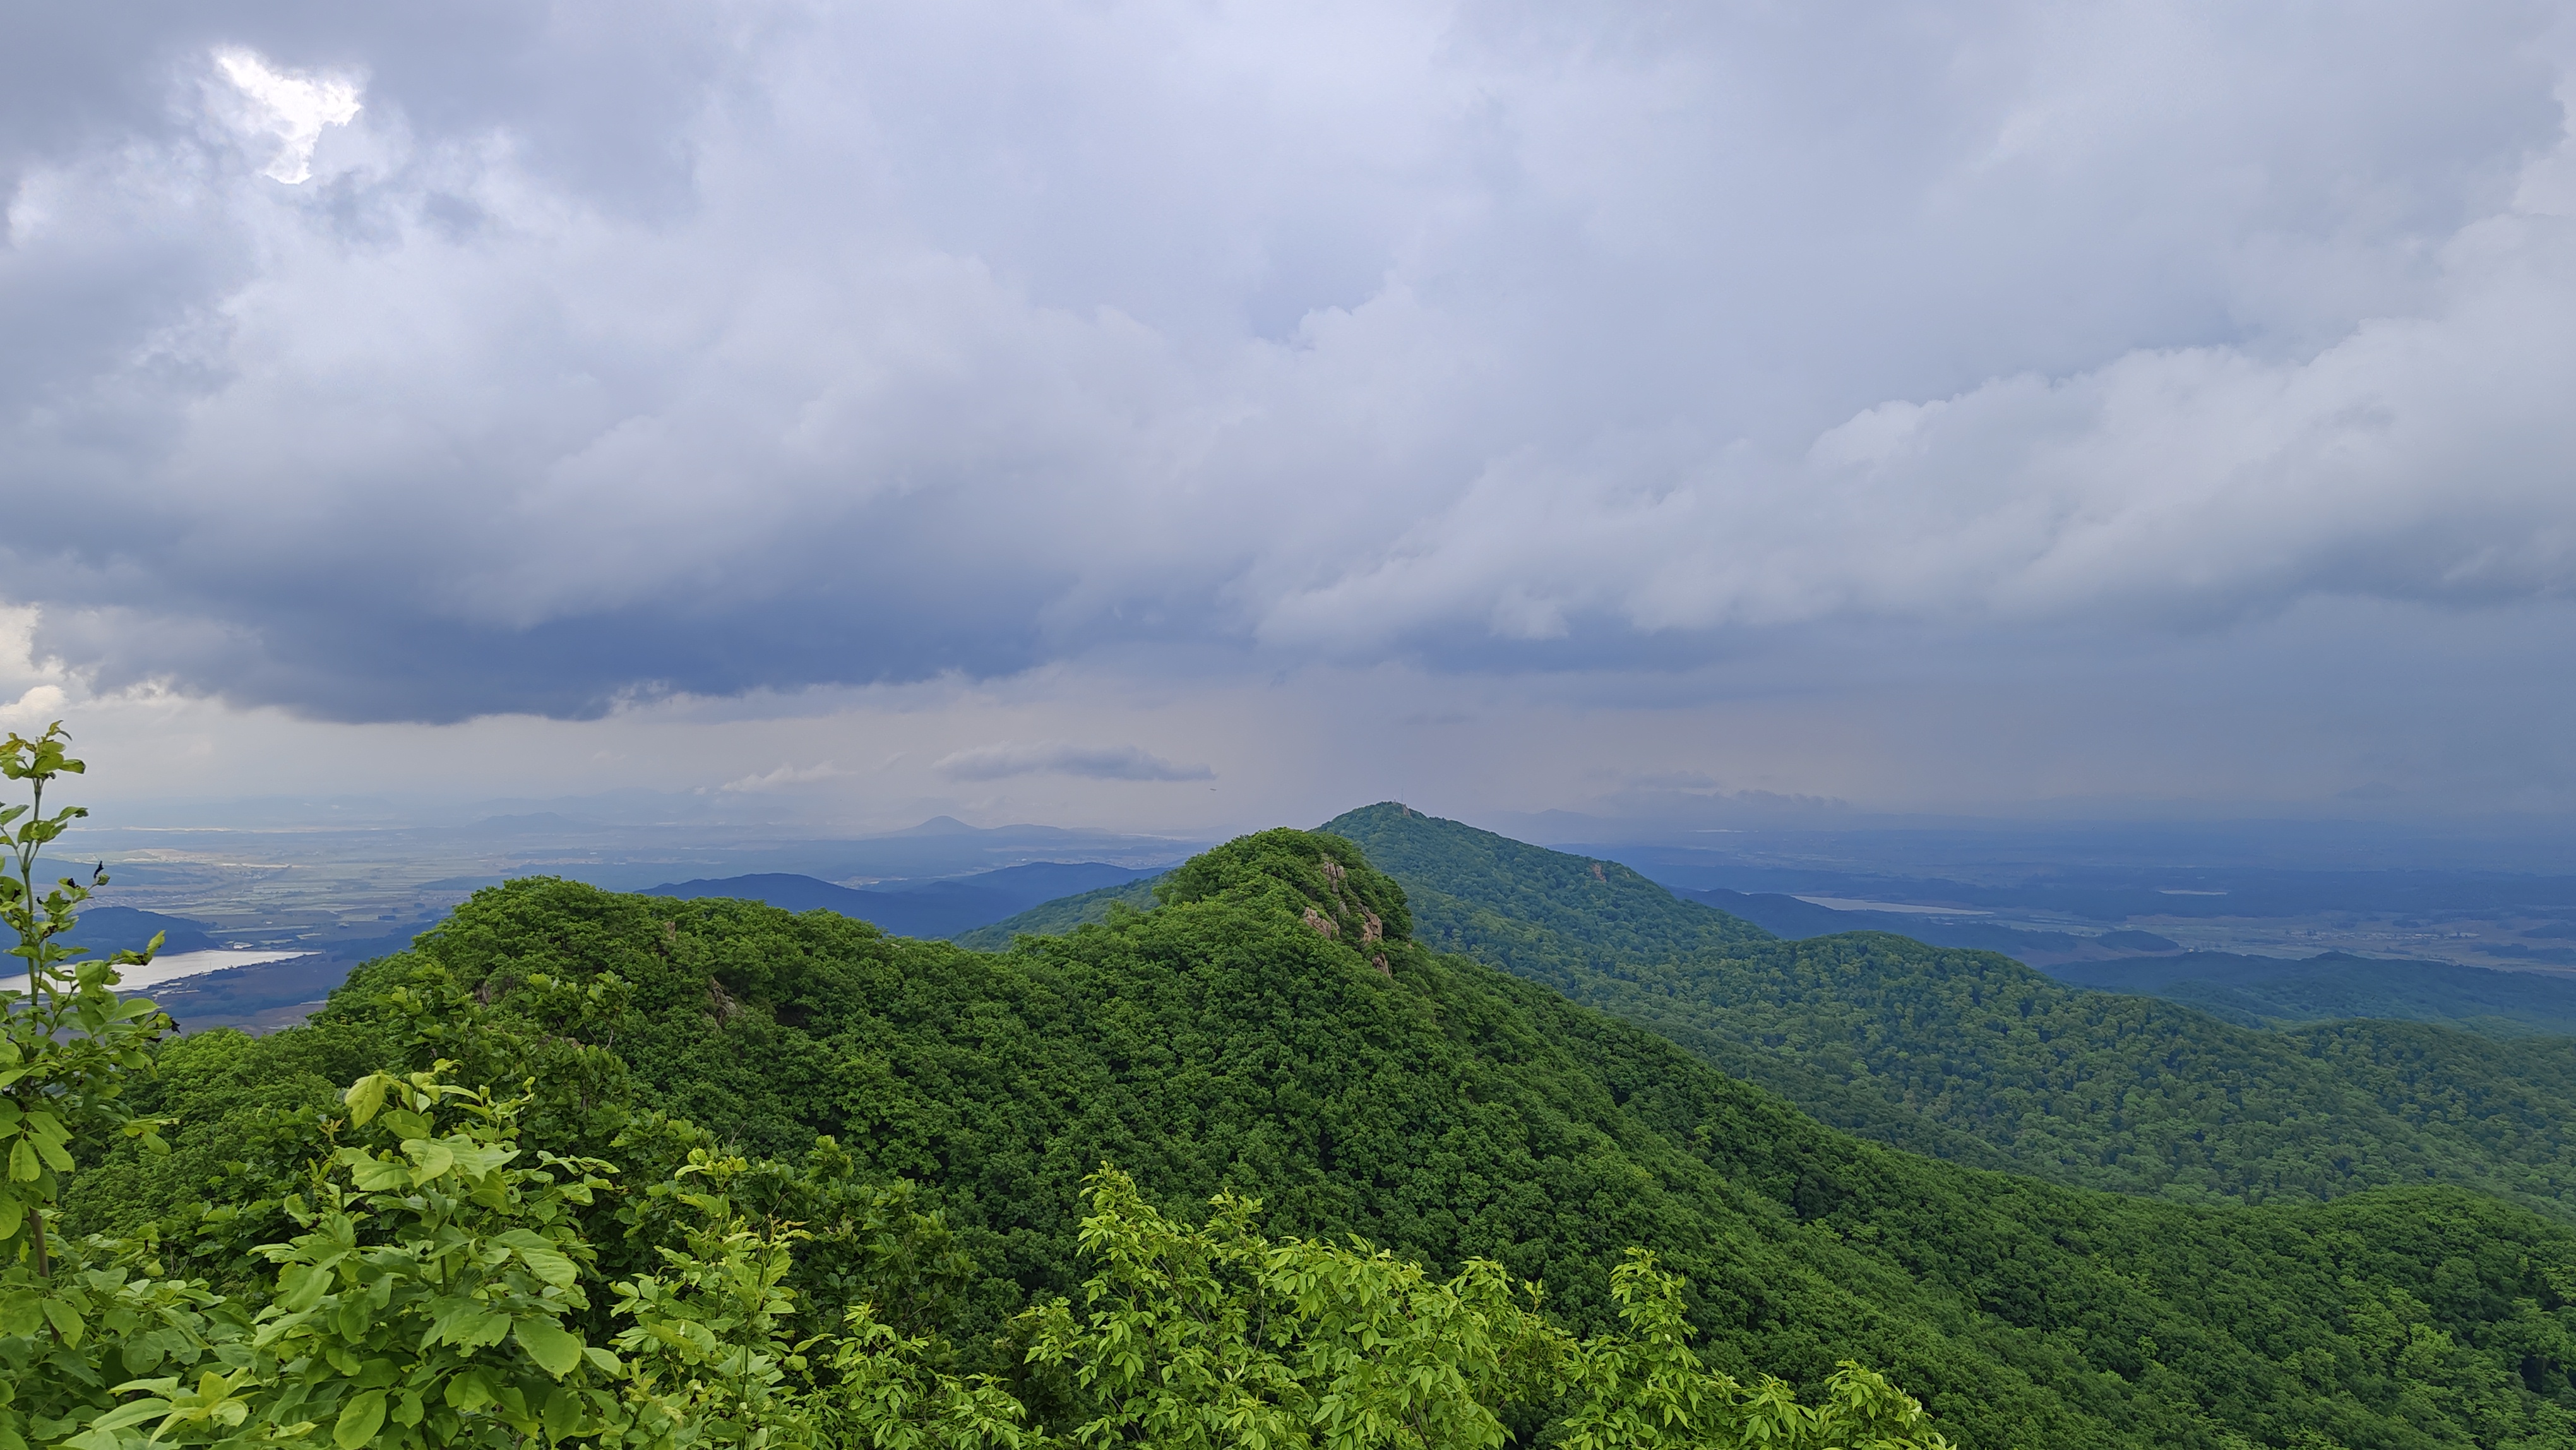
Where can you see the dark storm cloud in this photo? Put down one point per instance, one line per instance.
(612, 351)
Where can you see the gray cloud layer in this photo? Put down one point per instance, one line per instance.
(612, 351)
(1111, 762)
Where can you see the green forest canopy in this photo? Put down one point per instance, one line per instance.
(412, 1261)
(1278, 1027)
(1973, 1056)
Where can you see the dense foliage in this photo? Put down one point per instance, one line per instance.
(411, 1262)
(1271, 1029)
(1976, 1057)
(2334, 986)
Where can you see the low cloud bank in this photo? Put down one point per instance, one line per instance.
(1115, 762)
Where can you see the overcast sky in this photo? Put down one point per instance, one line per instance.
(1183, 416)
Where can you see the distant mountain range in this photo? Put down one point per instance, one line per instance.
(1794, 918)
(927, 909)
(1055, 918)
(106, 930)
(2251, 991)
(984, 910)
(2114, 894)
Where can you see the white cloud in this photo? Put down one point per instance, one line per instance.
(289, 110)
(785, 777)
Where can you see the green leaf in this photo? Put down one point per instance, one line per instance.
(301, 1286)
(23, 1167)
(53, 1154)
(563, 1412)
(468, 1325)
(351, 1319)
(365, 1097)
(379, 1175)
(66, 1321)
(469, 1391)
(132, 1412)
(12, 1212)
(433, 1159)
(512, 1403)
(359, 1420)
(541, 1256)
(555, 1350)
(478, 1160)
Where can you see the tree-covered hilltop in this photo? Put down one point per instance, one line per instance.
(414, 1262)
(1976, 1057)
(1277, 1027)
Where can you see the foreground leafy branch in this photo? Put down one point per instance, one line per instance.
(70, 1041)
(1194, 1338)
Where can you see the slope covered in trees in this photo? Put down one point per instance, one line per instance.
(1275, 1027)
(413, 1263)
(1974, 1056)
(2248, 990)
(2335, 986)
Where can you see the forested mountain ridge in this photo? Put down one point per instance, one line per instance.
(1054, 918)
(1274, 1026)
(949, 907)
(2248, 990)
(1926, 1047)
(2329, 987)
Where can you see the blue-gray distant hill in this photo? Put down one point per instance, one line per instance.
(2249, 990)
(926, 909)
(108, 929)
(1055, 918)
(1796, 920)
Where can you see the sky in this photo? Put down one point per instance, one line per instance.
(1188, 417)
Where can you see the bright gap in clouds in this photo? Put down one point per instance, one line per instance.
(290, 109)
